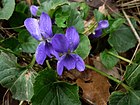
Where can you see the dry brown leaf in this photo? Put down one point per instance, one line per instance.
(94, 3)
(97, 63)
(109, 4)
(76, 0)
(29, 2)
(96, 89)
(103, 10)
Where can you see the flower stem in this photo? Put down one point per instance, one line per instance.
(32, 62)
(48, 64)
(29, 65)
(109, 77)
(8, 50)
(120, 57)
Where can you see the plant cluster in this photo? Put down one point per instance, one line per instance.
(53, 36)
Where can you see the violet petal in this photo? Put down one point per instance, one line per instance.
(102, 24)
(45, 25)
(60, 43)
(80, 65)
(32, 26)
(60, 67)
(97, 34)
(73, 38)
(40, 53)
(50, 51)
(33, 10)
(69, 62)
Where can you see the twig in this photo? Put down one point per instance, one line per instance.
(38, 1)
(110, 8)
(21, 102)
(4, 96)
(135, 33)
(129, 3)
(129, 7)
(131, 26)
(134, 53)
(13, 27)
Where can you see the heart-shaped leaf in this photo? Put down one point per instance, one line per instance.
(7, 9)
(108, 60)
(122, 39)
(84, 47)
(27, 43)
(49, 91)
(120, 98)
(132, 75)
(18, 80)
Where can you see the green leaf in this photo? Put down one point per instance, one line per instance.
(60, 18)
(49, 91)
(132, 75)
(120, 98)
(10, 43)
(27, 43)
(108, 60)
(67, 16)
(122, 39)
(137, 58)
(98, 15)
(60, 22)
(80, 7)
(116, 24)
(75, 20)
(51, 6)
(57, 29)
(84, 9)
(17, 20)
(84, 47)
(7, 9)
(21, 7)
(18, 81)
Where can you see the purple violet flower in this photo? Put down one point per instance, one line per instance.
(41, 30)
(66, 44)
(101, 25)
(33, 10)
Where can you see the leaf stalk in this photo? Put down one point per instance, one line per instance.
(109, 77)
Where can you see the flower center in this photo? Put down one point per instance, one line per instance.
(48, 39)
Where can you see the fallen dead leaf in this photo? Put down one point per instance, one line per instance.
(96, 89)
(97, 63)
(76, 0)
(29, 2)
(94, 3)
(103, 10)
(109, 4)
